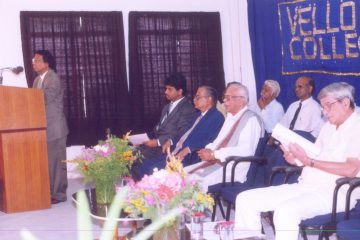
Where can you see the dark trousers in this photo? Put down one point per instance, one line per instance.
(57, 168)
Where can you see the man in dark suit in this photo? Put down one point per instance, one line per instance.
(204, 129)
(175, 118)
(57, 130)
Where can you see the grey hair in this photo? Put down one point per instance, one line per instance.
(274, 85)
(212, 93)
(244, 90)
(339, 91)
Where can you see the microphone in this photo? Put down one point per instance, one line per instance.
(15, 70)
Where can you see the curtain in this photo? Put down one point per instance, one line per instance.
(89, 51)
(161, 43)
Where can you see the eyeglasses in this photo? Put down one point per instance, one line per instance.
(301, 86)
(327, 107)
(198, 97)
(229, 97)
(34, 60)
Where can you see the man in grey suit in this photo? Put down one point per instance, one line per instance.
(57, 130)
(176, 117)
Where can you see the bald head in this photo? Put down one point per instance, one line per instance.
(304, 87)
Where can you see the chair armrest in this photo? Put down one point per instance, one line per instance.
(343, 180)
(274, 171)
(237, 160)
(293, 170)
(289, 171)
(254, 159)
(354, 183)
(339, 183)
(227, 161)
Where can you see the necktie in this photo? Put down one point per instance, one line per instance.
(184, 136)
(167, 113)
(38, 83)
(293, 121)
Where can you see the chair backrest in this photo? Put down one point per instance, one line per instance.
(255, 174)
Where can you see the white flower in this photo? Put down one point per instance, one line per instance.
(101, 148)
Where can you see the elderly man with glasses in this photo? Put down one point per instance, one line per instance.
(238, 136)
(312, 195)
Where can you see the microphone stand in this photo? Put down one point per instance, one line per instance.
(1, 77)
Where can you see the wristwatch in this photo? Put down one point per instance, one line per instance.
(312, 162)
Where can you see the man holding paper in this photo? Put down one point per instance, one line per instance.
(312, 195)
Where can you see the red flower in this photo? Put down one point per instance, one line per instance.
(164, 193)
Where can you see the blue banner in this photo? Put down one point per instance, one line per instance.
(319, 36)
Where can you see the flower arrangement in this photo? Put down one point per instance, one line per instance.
(105, 163)
(164, 190)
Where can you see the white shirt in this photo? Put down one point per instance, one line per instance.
(174, 104)
(271, 114)
(336, 145)
(309, 118)
(42, 76)
(244, 147)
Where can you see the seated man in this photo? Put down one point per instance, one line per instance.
(271, 111)
(176, 117)
(238, 136)
(312, 195)
(206, 125)
(304, 114)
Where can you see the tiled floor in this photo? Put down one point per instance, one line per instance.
(56, 223)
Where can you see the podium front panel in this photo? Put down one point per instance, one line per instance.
(24, 176)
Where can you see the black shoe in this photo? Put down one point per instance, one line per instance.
(56, 201)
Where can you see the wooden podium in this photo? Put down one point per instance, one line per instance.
(24, 177)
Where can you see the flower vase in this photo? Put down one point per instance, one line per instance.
(105, 191)
(166, 233)
(197, 226)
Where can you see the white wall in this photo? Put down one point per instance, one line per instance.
(237, 60)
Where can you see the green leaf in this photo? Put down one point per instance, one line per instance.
(83, 217)
(114, 213)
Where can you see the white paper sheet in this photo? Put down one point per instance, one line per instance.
(138, 139)
(286, 136)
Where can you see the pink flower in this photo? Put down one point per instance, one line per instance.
(150, 200)
(88, 154)
(175, 182)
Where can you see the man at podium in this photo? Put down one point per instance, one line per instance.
(47, 80)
